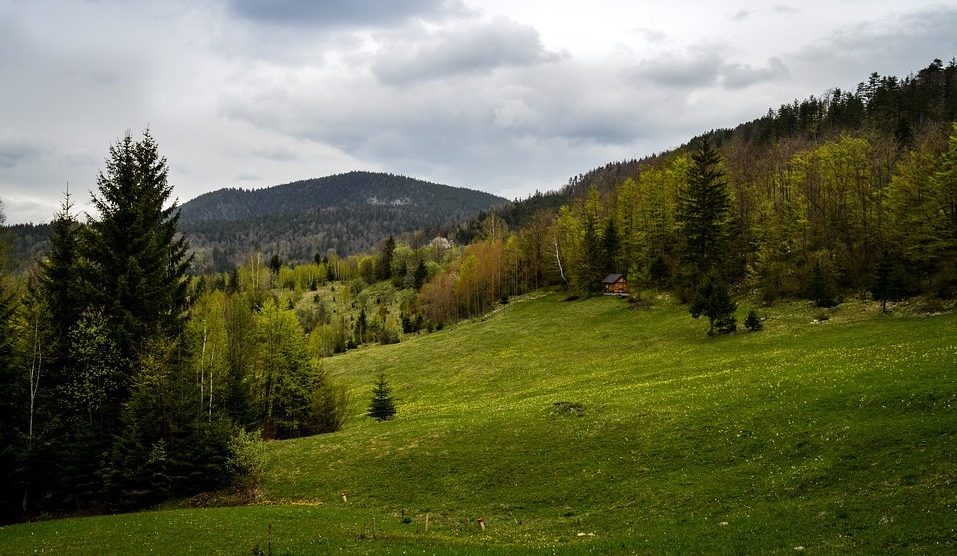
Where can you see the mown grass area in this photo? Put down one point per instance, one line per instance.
(589, 426)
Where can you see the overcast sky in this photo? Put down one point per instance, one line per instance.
(505, 96)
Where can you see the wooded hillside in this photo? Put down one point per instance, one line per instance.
(348, 213)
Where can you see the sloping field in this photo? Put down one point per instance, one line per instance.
(589, 426)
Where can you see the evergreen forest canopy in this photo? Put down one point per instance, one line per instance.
(132, 382)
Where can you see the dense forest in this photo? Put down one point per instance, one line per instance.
(823, 198)
(124, 386)
(130, 381)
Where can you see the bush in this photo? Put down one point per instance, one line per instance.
(329, 408)
(247, 459)
(753, 321)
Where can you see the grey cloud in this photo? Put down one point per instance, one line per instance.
(20, 210)
(705, 66)
(651, 35)
(699, 68)
(784, 9)
(278, 154)
(736, 76)
(889, 46)
(342, 12)
(475, 47)
(15, 152)
(740, 15)
(490, 131)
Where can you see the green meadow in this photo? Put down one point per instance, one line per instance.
(590, 426)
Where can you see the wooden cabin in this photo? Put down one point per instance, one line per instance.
(615, 284)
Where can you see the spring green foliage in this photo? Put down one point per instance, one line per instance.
(247, 459)
(285, 375)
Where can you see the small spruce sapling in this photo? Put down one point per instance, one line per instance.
(382, 407)
(753, 321)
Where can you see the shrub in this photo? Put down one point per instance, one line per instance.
(753, 321)
(329, 407)
(247, 459)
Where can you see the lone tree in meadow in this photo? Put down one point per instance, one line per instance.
(382, 407)
(713, 300)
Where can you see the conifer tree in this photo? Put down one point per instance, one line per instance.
(713, 300)
(611, 243)
(382, 407)
(590, 265)
(383, 269)
(11, 411)
(753, 321)
(137, 260)
(59, 282)
(421, 274)
(703, 213)
(822, 288)
(881, 289)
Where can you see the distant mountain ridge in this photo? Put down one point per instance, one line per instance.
(351, 189)
(348, 212)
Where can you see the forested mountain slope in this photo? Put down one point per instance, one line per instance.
(848, 193)
(346, 212)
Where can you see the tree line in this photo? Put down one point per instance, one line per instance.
(123, 385)
(799, 219)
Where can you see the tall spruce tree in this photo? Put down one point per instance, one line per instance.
(611, 243)
(59, 282)
(702, 213)
(137, 260)
(384, 263)
(591, 269)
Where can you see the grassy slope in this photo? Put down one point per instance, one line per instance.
(834, 436)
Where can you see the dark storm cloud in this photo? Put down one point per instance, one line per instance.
(474, 47)
(342, 12)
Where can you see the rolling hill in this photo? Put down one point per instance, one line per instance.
(587, 426)
(349, 212)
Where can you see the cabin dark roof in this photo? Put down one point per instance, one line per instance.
(611, 279)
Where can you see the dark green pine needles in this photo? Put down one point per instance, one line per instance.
(382, 407)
